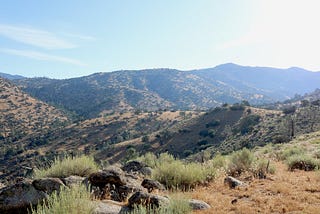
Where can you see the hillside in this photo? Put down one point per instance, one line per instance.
(89, 136)
(10, 76)
(22, 116)
(154, 89)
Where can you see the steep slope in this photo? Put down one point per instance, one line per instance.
(22, 115)
(171, 89)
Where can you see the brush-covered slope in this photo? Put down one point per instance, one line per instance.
(22, 115)
(171, 89)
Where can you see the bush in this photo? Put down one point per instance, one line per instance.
(61, 168)
(176, 174)
(302, 162)
(290, 151)
(219, 161)
(74, 200)
(240, 162)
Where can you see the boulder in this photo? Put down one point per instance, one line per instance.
(198, 205)
(48, 185)
(109, 207)
(232, 182)
(133, 166)
(17, 198)
(152, 184)
(112, 175)
(147, 199)
(146, 171)
(73, 180)
(137, 167)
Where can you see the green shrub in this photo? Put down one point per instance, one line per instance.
(303, 162)
(219, 161)
(240, 161)
(81, 166)
(290, 151)
(176, 174)
(74, 200)
(176, 206)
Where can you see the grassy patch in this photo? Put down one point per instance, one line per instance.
(177, 174)
(74, 200)
(81, 166)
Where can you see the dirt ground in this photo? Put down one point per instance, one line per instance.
(282, 192)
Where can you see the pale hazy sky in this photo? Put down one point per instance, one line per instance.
(70, 38)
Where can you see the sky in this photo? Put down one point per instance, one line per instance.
(72, 38)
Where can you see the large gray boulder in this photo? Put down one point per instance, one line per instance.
(109, 207)
(198, 205)
(147, 199)
(17, 198)
(48, 185)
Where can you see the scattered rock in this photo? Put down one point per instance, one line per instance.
(147, 199)
(2, 185)
(73, 180)
(17, 198)
(48, 185)
(199, 205)
(152, 184)
(232, 182)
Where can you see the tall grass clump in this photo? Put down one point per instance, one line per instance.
(176, 206)
(64, 167)
(176, 174)
(240, 161)
(74, 200)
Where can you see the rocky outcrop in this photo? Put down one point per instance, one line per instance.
(17, 198)
(198, 205)
(48, 185)
(147, 199)
(151, 185)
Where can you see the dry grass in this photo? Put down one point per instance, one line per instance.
(283, 192)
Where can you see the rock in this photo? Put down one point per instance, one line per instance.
(73, 180)
(133, 166)
(18, 197)
(48, 185)
(147, 199)
(2, 186)
(109, 207)
(137, 167)
(146, 171)
(112, 175)
(232, 182)
(121, 193)
(152, 184)
(199, 205)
